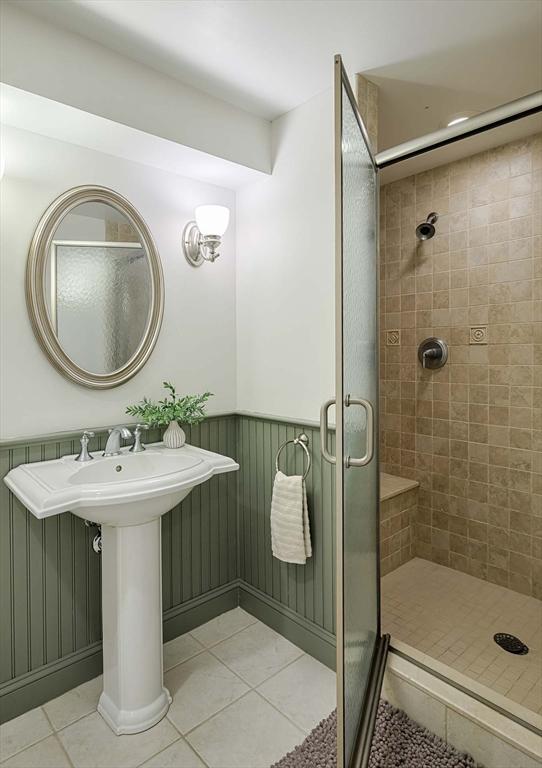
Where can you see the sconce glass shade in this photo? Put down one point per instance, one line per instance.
(212, 219)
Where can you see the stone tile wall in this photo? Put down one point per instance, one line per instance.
(471, 432)
(397, 519)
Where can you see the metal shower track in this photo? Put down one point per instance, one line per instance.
(485, 121)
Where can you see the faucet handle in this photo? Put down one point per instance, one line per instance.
(138, 446)
(84, 455)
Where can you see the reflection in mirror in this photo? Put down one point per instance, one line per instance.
(98, 287)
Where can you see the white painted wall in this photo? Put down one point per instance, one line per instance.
(56, 63)
(197, 345)
(285, 270)
(256, 327)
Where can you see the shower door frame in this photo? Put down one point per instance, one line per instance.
(367, 716)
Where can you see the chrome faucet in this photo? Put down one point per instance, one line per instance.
(112, 447)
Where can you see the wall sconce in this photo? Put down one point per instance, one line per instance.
(201, 238)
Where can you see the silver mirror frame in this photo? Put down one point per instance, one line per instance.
(35, 287)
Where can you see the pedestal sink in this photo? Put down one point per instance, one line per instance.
(125, 494)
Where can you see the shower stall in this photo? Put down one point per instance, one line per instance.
(451, 576)
(466, 590)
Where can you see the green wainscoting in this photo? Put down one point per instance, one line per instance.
(216, 554)
(306, 590)
(50, 587)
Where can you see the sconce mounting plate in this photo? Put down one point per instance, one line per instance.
(191, 244)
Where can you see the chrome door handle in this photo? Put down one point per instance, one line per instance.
(369, 450)
(324, 431)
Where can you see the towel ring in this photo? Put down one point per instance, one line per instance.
(302, 441)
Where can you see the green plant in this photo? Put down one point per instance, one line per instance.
(188, 409)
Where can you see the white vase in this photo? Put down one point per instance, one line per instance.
(174, 436)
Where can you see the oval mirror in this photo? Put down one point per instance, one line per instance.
(94, 287)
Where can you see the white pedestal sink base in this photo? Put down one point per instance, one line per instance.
(123, 722)
(126, 494)
(133, 697)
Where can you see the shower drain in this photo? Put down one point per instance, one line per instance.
(511, 643)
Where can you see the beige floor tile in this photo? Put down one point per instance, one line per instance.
(200, 687)
(248, 734)
(74, 704)
(178, 755)
(304, 691)
(45, 754)
(251, 733)
(180, 649)
(90, 743)
(223, 626)
(23, 731)
(256, 653)
(459, 616)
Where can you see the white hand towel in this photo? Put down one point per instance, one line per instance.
(290, 532)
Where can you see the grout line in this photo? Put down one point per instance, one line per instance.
(218, 712)
(63, 748)
(174, 727)
(236, 701)
(32, 744)
(193, 748)
(56, 736)
(188, 658)
(228, 637)
(77, 719)
(207, 649)
(204, 647)
(293, 722)
(252, 688)
(155, 754)
(282, 669)
(247, 682)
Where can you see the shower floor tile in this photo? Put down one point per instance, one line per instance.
(452, 617)
(221, 709)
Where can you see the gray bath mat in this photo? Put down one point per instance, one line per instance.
(398, 742)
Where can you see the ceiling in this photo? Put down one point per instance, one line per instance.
(431, 58)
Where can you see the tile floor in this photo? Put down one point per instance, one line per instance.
(452, 617)
(243, 696)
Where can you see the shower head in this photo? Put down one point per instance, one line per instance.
(426, 229)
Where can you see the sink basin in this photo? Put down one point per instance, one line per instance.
(125, 494)
(152, 464)
(128, 489)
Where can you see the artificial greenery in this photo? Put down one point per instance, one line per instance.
(188, 409)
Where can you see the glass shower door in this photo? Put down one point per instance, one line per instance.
(361, 651)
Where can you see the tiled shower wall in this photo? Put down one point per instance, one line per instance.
(471, 432)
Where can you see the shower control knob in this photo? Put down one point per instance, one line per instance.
(433, 353)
